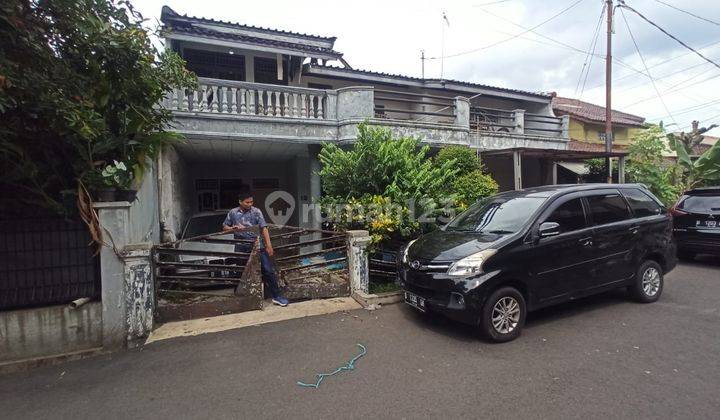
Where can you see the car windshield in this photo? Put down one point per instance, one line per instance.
(203, 225)
(497, 215)
(701, 203)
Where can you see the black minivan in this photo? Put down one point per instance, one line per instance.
(696, 218)
(523, 250)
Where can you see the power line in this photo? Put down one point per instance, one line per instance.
(575, 3)
(674, 90)
(646, 67)
(625, 6)
(689, 13)
(590, 54)
(490, 3)
(689, 109)
(705, 119)
(663, 62)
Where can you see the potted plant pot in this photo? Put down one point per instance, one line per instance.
(126, 195)
(106, 194)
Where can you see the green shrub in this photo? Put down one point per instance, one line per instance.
(465, 159)
(370, 185)
(473, 186)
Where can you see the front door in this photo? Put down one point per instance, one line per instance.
(559, 264)
(615, 232)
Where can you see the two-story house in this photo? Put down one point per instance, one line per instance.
(268, 99)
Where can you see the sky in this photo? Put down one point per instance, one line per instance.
(488, 42)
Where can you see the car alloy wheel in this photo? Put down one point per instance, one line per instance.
(506, 315)
(651, 281)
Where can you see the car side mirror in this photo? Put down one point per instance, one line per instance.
(549, 229)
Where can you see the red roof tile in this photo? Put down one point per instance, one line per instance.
(583, 146)
(588, 112)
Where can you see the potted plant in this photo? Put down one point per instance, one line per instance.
(116, 183)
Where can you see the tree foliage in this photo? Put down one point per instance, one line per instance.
(647, 165)
(703, 170)
(80, 82)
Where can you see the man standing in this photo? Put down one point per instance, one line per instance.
(239, 220)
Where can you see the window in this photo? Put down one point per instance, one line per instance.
(608, 208)
(214, 64)
(319, 86)
(570, 216)
(700, 203)
(499, 215)
(266, 71)
(641, 204)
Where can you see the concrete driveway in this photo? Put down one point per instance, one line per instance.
(598, 358)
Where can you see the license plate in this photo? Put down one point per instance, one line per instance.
(415, 301)
(707, 223)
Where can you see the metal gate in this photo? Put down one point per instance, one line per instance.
(45, 259)
(206, 275)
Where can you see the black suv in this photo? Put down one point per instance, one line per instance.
(523, 250)
(696, 218)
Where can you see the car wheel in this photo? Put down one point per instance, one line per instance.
(685, 255)
(649, 281)
(503, 315)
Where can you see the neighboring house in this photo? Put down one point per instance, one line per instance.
(587, 124)
(587, 132)
(268, 99)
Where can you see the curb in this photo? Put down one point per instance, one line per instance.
(368, 299)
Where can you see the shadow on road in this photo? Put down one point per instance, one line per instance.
(438, 324)
(703, 260)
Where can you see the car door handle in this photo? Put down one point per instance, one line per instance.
(586, 241)
(634, 229)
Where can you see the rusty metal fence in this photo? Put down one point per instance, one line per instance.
(217, 273)
(45, 259)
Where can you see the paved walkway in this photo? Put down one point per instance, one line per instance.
(604, 357)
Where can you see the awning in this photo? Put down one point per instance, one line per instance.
(578, 168)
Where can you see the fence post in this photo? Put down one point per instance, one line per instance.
(139, 289)
(358, 260)
(462, 112)
(114, 220)
(519, 115)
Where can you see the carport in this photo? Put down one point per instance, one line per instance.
(534, 167)
(206, 174)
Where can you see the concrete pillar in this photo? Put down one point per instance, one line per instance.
(519, 115)
(462, 112)
(315, 188)
(517, 169)
(139, 293)
(114, 220)
(358, 260)
(331, 105)
(357, 102)
(621, 170)
(554, 173)
(566, 127)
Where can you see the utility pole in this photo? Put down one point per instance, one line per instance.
(422, 61)
(608, 91)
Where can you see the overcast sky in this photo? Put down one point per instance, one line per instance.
(388, 36)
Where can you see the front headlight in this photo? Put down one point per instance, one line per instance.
(405, 251)
(471, 264)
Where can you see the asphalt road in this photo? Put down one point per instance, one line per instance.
(602, 357)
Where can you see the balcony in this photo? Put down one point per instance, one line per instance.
(262, 112)
(492, 128)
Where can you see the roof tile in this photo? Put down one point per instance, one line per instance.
(591, 112)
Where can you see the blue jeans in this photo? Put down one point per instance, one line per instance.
(266, 266)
